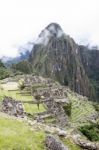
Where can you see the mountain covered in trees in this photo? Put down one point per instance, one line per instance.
(56, 55)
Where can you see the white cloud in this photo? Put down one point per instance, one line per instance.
(21, 20)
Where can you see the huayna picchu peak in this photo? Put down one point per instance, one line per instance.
(56, 55)
(51, 31)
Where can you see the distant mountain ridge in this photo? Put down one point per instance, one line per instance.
(9, 61)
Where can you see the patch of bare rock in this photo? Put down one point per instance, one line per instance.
(53, 143)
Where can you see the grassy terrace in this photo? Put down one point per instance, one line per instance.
(30, 108)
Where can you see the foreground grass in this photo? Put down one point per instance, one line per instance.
(16, 135)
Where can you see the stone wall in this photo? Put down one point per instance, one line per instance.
(54, 144)
(12, 107)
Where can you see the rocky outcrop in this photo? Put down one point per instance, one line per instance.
(54, 144)
(12, 107)
(87, 144)
(56, 55)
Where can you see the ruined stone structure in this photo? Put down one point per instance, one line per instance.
(55, 107)
(52, 95)
(31, 79)
(12, 107)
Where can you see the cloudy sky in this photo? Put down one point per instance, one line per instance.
(23, 20)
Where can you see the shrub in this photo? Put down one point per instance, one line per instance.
(91, 131)
(21, 84)
(96, 106)
(67, 109)
(4, 73)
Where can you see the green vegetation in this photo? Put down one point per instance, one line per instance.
(1, 64)
(71, 145)
(29, 108)
(4, 72)
(95, 83)
(81, 109)
(96, 106)
(21, 84)
(49, 120)
(23, 66)
(67, 109)
(17, 135)
(91, 131)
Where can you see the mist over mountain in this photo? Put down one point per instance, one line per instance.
(23, 53)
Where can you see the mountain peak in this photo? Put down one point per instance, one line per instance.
(52, 30)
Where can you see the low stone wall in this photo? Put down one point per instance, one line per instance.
(85, 144)
(54, 144)
(12, 107)
(88, 145)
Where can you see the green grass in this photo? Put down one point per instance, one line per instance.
(16, 135)
(15, 95)
(30, 108)
(71, 145)
(33, 108)
(50, 120)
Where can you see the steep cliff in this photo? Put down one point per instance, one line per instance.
(90, 60)
(56, 55)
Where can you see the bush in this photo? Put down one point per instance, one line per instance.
(67, 109)
(96, 106)
(4, 73)
(21, 84)
(91, 131)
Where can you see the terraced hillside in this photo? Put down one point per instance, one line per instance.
(20, 134)
(82, 110)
